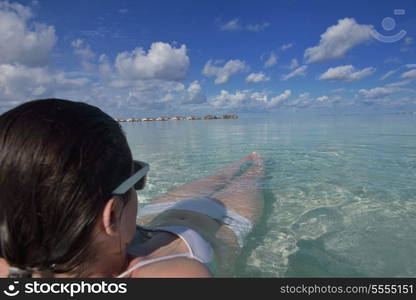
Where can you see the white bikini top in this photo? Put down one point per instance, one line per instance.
(198, 247)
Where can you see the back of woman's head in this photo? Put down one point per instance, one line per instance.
(59, 162)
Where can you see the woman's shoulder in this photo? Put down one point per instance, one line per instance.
(4, 268)
(176, 267)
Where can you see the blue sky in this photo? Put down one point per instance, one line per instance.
(141, 58)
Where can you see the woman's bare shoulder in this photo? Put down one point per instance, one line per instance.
(4, 268)
(178, 267)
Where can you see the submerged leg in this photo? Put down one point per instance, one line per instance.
(243, 195)
(207, 185)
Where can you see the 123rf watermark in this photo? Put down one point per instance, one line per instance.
(64, 288)
(370, 289)
(389, 24)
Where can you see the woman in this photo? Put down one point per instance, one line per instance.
(69, 205)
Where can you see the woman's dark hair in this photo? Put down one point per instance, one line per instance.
(59, 163)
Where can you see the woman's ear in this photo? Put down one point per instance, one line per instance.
(110, 217)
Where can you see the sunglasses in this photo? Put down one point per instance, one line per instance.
(138, 179)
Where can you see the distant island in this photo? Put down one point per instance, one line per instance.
(207, 117)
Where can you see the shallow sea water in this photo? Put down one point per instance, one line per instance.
(340, 191)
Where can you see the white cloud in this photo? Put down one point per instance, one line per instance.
(257, 27)
(195, 94)
(301, 71)
(77, 43)
(19, 82)
(327, 101)
(304, 96)
(154, 95)
(104, 66)
(294, 64)
(180, 87)
(338, 90)
(258, 97)
(257, 77)
(25, 49)
(392, 60)
(151, 97)
(85, 54)
(409, 40)
(305, 101)
(247, 100)
(378, 92)
(82, 49)
(235, 25)
(286, 46)
(322, 99)
(167, 98)
(346, 73)
(22, 41)
(227, 100)
(136, 100)
(278, 99)
(232, 25)
(388, 74)
(223, 74)
(399, 83)
(411, 66)
(337, 40)
(162, 61)
(271, 61)
(302, 101)
(409, 74)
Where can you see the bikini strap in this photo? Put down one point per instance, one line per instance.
(152, 260)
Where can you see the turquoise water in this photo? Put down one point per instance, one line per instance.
(340, 191)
